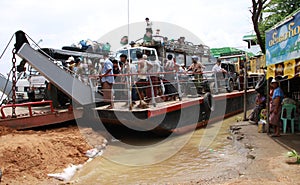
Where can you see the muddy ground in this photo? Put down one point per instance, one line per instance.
(26, 157)
(267, 161)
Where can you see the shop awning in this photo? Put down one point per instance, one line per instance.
(228, 51)
(250, 39)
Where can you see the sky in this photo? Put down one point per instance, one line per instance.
(217, 23)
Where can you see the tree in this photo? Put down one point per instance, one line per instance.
(257, 8)
(266, 14)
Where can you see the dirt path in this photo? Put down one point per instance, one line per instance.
(268, 160)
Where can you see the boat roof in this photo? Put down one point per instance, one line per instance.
(64, 54)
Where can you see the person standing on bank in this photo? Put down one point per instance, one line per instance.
(107, 80)
(275, 109)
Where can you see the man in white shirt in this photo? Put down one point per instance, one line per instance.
(217, 67)
(219, 71)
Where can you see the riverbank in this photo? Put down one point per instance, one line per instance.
(268, 160)
(26, 157)
(247, 157)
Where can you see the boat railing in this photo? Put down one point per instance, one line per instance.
(29, 105)
(174, 84)
(162, 86)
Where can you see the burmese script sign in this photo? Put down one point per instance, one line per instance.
(283, 41)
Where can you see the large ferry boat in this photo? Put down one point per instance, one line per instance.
(190, 107)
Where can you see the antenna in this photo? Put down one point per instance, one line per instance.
(128, 20)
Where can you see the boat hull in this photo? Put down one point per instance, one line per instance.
(180, 117)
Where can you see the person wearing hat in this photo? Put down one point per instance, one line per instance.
(78, 68)
(71, 63)
(132, 44)
(275, 108)
(197, 69)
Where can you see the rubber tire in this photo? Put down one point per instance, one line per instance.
(238, 83)
(212, 87)
(230, 86)
(209, 102)
(260, 86)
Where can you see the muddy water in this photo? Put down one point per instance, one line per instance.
(206, 155)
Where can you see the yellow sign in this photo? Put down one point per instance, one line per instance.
(289, 69)
(271, 71)
(297, 67)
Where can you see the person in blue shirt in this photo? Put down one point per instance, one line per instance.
(107, 81)
(275, 109)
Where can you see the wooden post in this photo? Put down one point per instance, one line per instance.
(245, 88)
(268, 103)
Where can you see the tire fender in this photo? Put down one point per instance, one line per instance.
(209, 101)
(260, 86)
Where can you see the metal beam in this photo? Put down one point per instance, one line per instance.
(62, 79)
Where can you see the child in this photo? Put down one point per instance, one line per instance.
(263, 121)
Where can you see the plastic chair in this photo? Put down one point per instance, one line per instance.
(288, 115)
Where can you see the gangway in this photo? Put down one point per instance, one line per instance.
(62, 79)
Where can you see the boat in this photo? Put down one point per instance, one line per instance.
(189, 110)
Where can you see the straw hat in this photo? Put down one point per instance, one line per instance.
(70, 59)
(274, 81)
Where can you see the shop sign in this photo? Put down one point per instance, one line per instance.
(283, 42)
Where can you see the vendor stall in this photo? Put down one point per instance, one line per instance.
(283, 57)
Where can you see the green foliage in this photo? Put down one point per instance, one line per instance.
(277, 10)
(293, 154)
(274, 12)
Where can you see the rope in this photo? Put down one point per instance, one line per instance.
(7, 46)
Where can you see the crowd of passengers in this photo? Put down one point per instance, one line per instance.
(114, 79)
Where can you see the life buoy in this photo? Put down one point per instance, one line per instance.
(209, 102)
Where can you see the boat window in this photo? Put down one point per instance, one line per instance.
(208, 67)
(231, 68)
(179, 59)
(188, 60)
(224, 66)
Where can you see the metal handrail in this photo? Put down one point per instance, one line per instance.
(28, 105)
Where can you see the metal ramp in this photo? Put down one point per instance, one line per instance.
(5, 85)
(73, 87)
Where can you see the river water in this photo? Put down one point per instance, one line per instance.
(206, 154)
